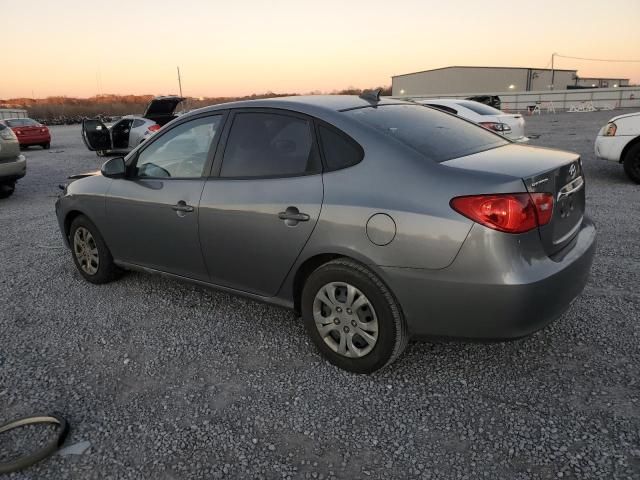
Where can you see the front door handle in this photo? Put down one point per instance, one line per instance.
(181, 208)
(292, 216)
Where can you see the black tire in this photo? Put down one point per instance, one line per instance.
(46, 146)
(106, 269)
(392, 330)
(631, 163)
(7, 189)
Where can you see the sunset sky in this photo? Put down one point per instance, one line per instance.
(224, 48)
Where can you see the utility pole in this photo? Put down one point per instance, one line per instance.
(179, 81)
(553, 71)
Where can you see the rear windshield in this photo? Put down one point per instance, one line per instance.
(438, 136)
(480, 108)
(21, 122)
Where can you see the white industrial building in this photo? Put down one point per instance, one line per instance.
(12, 113)
(458, 79)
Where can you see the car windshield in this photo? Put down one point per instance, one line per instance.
(480, 108)
(436, 135)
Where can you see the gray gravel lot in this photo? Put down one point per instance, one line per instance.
(168, 380)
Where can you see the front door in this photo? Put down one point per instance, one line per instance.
(96, 135)
(153, 213)
(258, 214)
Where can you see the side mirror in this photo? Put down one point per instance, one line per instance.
(114, 168)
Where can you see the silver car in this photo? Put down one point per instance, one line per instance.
(131, 130)
(377, 220)
(13, 165)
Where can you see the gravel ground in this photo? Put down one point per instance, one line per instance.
(172, 381)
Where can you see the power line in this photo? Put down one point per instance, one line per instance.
(598, 59)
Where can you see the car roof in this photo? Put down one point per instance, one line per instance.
(310, 104)
(457, 101)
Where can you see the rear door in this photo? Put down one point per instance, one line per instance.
(96, 135)
(260, 207)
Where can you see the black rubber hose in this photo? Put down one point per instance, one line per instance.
(50, 448)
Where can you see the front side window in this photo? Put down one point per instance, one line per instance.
(181, 152)
(436, 135)
(269, 145)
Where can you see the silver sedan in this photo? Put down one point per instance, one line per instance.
(13, 165)
(377, 220)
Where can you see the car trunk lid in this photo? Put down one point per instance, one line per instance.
(545, 171)
(29, 130)
(161, 109)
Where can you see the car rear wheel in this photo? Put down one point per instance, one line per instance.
(631, 163)
(90, 254)
(46, 146)
(352, 317)
(7, 189)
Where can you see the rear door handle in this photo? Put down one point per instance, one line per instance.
(181, 208)
(292, 216)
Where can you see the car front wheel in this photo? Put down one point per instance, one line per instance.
(352, 317)
(90, 254)
(631, 163)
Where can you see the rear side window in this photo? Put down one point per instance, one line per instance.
(269, 145)
(481, 108)
(137, 123)
(444, 108)
(437, 136)
(339, 150)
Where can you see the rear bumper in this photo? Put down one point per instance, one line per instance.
(498, 287)
(12, 170)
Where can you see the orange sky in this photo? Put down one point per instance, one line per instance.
(80, 48)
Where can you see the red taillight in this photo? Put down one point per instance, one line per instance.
(154, 128)
(507, 212)
(43, 130)
(496, 127)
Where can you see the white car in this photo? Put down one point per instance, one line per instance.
(619, 141)
(131, 130)
(508, 125)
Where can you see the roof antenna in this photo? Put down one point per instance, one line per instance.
(371, 95)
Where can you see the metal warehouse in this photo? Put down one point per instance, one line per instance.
(12, 113)
(450, 80)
